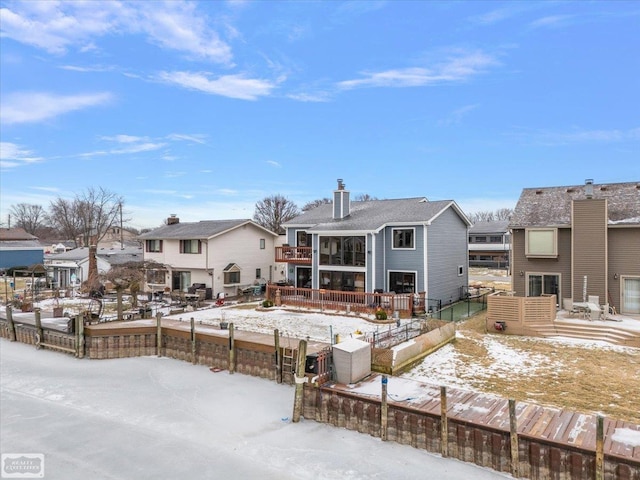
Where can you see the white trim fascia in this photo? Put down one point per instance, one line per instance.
(340, 233)
(456, 208)
(373, 262)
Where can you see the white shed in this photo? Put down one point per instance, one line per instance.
(352, 360)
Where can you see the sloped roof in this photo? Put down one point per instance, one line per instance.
(21, 244)
(498, 226)
(196, 230)
(371, 215)
(551, 206)
(9, 234)
(114, 256)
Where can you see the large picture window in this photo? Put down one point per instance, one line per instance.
(344, 281)
(231, 274)
(541, 242)
(349, 251)
(403, 237)
(153, 246)
(543, 284)
(402, 282)
(190, 246)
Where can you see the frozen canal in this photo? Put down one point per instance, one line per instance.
(156, 418)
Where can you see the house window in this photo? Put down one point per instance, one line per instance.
(402, 282)
(262, 244)
(153, 246)
(460, 270)
(156, 277)
(543, 284)
(343, 281)
(495, 239)
(258, 273)
(231, 274)
(403, 237)
(349, 251)
(190, 246)
(480, 240)
(541, 242)
(301, 239)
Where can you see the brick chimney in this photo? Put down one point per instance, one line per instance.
(172, 220)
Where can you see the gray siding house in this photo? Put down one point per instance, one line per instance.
(408, 245)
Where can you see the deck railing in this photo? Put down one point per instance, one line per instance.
(361, 302)
(287, 254)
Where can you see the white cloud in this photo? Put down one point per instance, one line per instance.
(455, 117)
(126, 139)
(140, 147)
(580, 136)
(274, 164)
(13, 155)
(233, 86)
(58, 26)
(552, 21)
(194, 137)
(456, 68)
(26, 107)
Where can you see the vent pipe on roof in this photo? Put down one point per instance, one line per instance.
(588, 187)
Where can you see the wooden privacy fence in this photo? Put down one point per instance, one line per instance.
(514, 314)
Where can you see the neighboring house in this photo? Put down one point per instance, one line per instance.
(490, 244)
(114, 237)
(71, 268)
(19, 248)
(223, 255)
(407, 245)
(579, 241)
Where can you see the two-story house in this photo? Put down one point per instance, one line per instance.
(407, 245)
(490, 244)
(579, 241)
(222, 255)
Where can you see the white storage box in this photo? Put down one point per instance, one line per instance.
(352, 360)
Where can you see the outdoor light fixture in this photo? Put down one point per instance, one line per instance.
(521, 273)
(615, 276)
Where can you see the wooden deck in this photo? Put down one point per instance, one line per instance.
(563, 427)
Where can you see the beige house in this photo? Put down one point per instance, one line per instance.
(578, 242)
(222, 256)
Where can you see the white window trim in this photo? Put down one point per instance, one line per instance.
(554, 254)
(403, 248)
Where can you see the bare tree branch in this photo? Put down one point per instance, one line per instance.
(272, 212)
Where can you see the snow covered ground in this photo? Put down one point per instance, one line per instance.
(159, 418)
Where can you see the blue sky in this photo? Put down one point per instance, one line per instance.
(202, 109)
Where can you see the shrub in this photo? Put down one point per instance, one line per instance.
(381, 315)
(267, 304)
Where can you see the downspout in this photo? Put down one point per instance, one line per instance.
(425, 242)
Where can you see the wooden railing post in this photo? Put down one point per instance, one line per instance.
(232, 350)
(80, 343)
(384, 410)
(599, 447)
(444, 423)
(300, 381)
(12, 325)
(276, 341)
(193, 341)
(513, 434)
(39, 331)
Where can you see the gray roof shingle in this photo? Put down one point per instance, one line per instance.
(371, 215)
(193, 230)
(551, 206)
(498, 226)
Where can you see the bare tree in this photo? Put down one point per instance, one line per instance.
(28, 216)
(364, 197)
(129, 276)
(483, 216)
(89, 215)
(315, 203)
(272, 212)
(504, 213)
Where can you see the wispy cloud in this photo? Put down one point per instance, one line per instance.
(455, 117)
(24, 107)
(233, 86)
(577, 136)
(58, 26)
(274, 163)
(553, 21)
(456, 68)
(13, 155)
(311, 96)
(194, 137)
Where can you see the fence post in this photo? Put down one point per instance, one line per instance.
(384, 410)
(39, 331)
(12, 325)
(193, 341)
(79, 336)
(159, 334)
(599, 447)
(232, 350)
(276, 341)
(513, 435)
(300, 380)
(444, 423)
